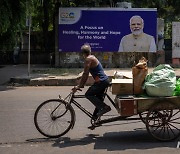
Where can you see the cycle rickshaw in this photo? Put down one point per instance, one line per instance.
(161, 115)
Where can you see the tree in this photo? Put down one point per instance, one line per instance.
(167, 10)
(43, 12)
(11, 22)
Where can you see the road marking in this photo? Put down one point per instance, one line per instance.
(34, 145)
(6, 146)
(178, 144)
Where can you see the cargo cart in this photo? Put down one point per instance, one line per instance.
(161, 115)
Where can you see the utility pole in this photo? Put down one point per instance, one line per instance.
(28, 23)
(29, 46)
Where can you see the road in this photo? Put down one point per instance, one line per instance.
(18, 134)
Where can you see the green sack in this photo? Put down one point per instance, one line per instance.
(161, 82)
(177, 89)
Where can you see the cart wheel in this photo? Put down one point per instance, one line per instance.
(162, 121)
(142, 116)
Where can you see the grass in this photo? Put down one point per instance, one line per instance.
(59, 71)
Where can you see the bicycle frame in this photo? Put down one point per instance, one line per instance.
(72, 100)
(82, 108)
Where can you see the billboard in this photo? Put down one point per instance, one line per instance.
(176, 40)
(102, 28)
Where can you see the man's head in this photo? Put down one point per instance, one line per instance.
(136, 25)
(86, 49)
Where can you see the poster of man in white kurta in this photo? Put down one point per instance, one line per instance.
(137, 41)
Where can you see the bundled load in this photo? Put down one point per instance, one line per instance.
(122, 83)
(139, 72)
(161, 82)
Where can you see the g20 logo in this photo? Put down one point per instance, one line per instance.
(67, 15)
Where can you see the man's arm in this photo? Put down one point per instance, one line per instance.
(85, 74)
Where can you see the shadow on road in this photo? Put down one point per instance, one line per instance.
(115, 141)
(5, 88)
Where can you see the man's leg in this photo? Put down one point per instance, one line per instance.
(91, 95)
(100, 97)
(96, 95)
(94, 116)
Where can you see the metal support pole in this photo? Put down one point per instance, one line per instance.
(29, 46)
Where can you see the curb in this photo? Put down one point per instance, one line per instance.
(44, 81)
(49, 81)
(53, 82)
(23, 81)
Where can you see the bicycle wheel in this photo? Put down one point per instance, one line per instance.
(54, 118)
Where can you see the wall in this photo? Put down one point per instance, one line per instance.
(108, 59)
(36, 58)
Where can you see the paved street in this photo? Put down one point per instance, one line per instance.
(48, 48)
(18, 134)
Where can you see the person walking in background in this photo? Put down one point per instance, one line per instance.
(16, 55)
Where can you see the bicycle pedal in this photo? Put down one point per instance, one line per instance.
(91, 127)
(97, 124)
(97, 119)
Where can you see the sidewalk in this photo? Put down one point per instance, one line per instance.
(17, 75)
(16, 71)
(54, 80)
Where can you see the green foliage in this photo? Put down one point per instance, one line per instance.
(167, 10)
(13, 15)
(11, 22)
(177, 89)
